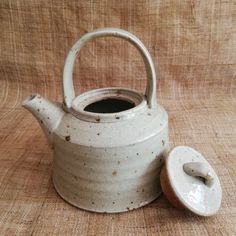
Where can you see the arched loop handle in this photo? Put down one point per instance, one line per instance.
(68, 87)
(199, 169)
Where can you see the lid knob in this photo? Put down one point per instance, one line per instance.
(199, 169)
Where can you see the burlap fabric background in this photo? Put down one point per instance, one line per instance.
(193, 45)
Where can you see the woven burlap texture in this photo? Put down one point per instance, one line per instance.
(193, 45)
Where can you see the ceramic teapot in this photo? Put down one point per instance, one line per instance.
(109, 144)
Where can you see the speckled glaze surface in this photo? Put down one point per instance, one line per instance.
(105, 162)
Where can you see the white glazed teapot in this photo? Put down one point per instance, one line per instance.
(109, 144)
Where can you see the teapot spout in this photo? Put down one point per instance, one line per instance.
(48, 114)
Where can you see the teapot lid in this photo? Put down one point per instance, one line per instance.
(189, 182)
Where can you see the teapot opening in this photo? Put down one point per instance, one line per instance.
(109, 105)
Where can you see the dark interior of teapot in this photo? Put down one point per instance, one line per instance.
(109, 105)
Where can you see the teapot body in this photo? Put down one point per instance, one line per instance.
(109, 144)
(110, 166)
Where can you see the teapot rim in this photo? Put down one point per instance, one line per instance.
(130, 95)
